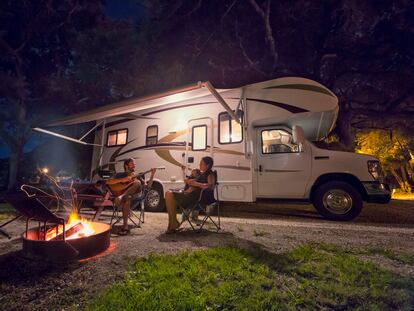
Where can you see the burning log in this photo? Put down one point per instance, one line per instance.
(68, 232)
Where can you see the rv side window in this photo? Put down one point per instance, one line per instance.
(152, 135)
(199, 137)
(277, 141)
(117, 138)
(230, 131)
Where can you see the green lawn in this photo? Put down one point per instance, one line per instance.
(308, 277)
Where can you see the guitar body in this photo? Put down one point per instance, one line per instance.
(119, 188)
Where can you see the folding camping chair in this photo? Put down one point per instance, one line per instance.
(137, 206)
(32, 208)
(97, 197)
(207, 203)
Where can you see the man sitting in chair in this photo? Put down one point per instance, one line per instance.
(126, 187)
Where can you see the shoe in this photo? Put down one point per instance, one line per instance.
(123, 232)
(172, 231)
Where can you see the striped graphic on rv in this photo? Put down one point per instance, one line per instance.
(306, 87)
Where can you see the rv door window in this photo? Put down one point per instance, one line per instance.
(117, 138)
(230, 131)
(277, 141)
(152, 135)
(199, 137)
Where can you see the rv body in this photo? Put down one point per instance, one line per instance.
(265, 152)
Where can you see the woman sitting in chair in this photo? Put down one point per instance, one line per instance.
(186, 199)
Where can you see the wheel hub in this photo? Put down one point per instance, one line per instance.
(153, 198)
(337, 201)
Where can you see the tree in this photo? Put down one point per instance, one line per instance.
(34, 39)
(394, 152)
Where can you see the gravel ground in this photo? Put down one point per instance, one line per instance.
(28, 285)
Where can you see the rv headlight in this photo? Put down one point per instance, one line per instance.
(374, 168)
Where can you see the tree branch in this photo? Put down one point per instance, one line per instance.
(252, 63)
(269, 38)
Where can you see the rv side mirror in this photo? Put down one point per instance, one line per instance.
(298, 136)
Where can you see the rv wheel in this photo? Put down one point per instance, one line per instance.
(337, 200)
(155, 199)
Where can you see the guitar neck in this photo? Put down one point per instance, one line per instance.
(158, 168)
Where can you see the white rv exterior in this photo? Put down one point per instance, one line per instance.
(261, 147)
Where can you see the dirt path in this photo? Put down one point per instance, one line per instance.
(27, 285)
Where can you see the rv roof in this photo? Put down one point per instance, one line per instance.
(137, 104)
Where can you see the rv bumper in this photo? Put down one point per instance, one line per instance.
(377, 192)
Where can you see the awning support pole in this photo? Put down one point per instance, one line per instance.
(102, 141)
(63, 136)
(220, 99)
(97, 124)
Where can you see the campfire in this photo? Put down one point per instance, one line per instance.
(55, 238)
(74, 228)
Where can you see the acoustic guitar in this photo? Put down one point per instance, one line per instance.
(119, 185)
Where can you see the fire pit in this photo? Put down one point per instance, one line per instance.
(77, 239)
(55, 239)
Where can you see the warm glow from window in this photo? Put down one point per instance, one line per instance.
(117, 138)
(111, 139)
(236, 131)
(230, 130)
(199, 137)
(224, 131)
(122, 137)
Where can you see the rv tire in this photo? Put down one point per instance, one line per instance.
(155, 199)
(337, 200)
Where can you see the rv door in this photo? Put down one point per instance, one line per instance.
(283, 168)
(199, 141)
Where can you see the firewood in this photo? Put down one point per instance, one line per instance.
(70, 231)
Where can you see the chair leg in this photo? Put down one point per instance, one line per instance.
(131, 218)
(142, 213)
(186, 217)
(6, 223)
(27, 227)
(115, 216)
(208, 216)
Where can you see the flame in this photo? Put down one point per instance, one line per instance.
(73, 220)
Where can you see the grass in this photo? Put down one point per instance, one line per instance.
(5, 211)
(399, 257)
(308, 277)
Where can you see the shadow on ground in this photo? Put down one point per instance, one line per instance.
(15, 269)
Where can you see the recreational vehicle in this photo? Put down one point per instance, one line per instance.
(261, 137)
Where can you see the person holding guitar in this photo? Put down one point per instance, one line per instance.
(125, 186)
(186, 198)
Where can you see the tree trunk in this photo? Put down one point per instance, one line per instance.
(14, 166)
(404, 175)
(397, 177)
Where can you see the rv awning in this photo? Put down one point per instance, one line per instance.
(138, 104)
